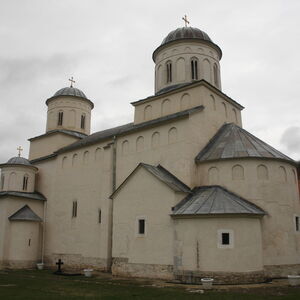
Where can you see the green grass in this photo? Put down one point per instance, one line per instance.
(44, 285)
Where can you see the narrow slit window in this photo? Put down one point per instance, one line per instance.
(60, 118)
(194, 68)
(99, 216)
(225, 238)
(297, 223)
(74, 209)
(82, 125)
(25, 183)
(142, 226)
(169, 72)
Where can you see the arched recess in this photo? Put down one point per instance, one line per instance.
(98, 154)
(224, 107)
(216, 75)
(295, 176)
(166, 107)
(155, 140)
(187, 50)
(64, 162)
(125, 147)
(148, 112)
(206, 70)
(51, 120)
(185, 101)
(12, 181)
(180, 69)
(86, 156)
(262, 172)
(282, 174)
(213, 102)
(74, 160)
(72, 116)
(159, 76)
(238, 172)
(2, 181)
(235, 118)
(140, 144)
(213, 175)
(172, 135)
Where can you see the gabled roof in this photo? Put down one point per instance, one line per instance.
(160, 173)
(25, 214)
(64, 131)
(215, 200)
(232, 141)
(34, 196)
(127, 128)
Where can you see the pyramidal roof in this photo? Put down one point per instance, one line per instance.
(215, 200)
(25, 214)
(232, 141)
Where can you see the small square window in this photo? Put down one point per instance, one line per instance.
(225, 238)
(141, 226)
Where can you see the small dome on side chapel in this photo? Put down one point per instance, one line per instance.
(70, 91)
(18, 160)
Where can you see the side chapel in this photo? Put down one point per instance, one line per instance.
(182, 192)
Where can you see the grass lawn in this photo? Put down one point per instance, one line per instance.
(33, 284)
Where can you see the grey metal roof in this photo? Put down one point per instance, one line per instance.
(124, 129)
(68, 132)
(34, 196)
(168, 178)
(25, 214)
(215, 200)
(175, 87)
(190, 33)
(70, 91)
(18, 161)
(160, 173)
(232, 141)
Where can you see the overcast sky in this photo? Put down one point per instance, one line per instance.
(107, 47)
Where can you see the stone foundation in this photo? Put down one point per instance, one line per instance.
(121, 267)
(76, 262)
(277, 271)
(194, 277)
(18, 264)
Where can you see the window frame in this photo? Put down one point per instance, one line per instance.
(194, 68)
(137, 226)
(220, 244)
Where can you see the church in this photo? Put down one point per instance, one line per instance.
(182, 192)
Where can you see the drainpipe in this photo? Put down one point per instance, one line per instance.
(114, 180)
(44, 230)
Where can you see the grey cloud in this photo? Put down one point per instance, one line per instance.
(291, 139)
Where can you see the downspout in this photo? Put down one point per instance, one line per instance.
(114, 182)
(44, 230)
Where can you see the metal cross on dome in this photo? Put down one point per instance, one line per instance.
(185, 20)
(72, 81)
(20, 150)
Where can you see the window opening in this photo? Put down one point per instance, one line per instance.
(225, 238)
(82, 125)
(74, 209)
(60, 118)
(194, 66)
(25, 183)
(169, 72)
(141, 226)
(99, 216)
(297, 223)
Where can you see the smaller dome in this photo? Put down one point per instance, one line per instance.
(19, 161)
(70, 91)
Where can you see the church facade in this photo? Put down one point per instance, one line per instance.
(182, 192)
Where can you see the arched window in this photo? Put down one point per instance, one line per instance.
(216, 79)
(194, 68)
(60, 118)
(82, 123)
(25, 182)
(169, 71)
(213, 175)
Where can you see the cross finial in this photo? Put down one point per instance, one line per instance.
(20, 150)
(72, 81)
(185, 20)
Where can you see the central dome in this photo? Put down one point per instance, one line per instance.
(186, 33)
(70, 91)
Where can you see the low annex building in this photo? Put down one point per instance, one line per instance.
(181, 193)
